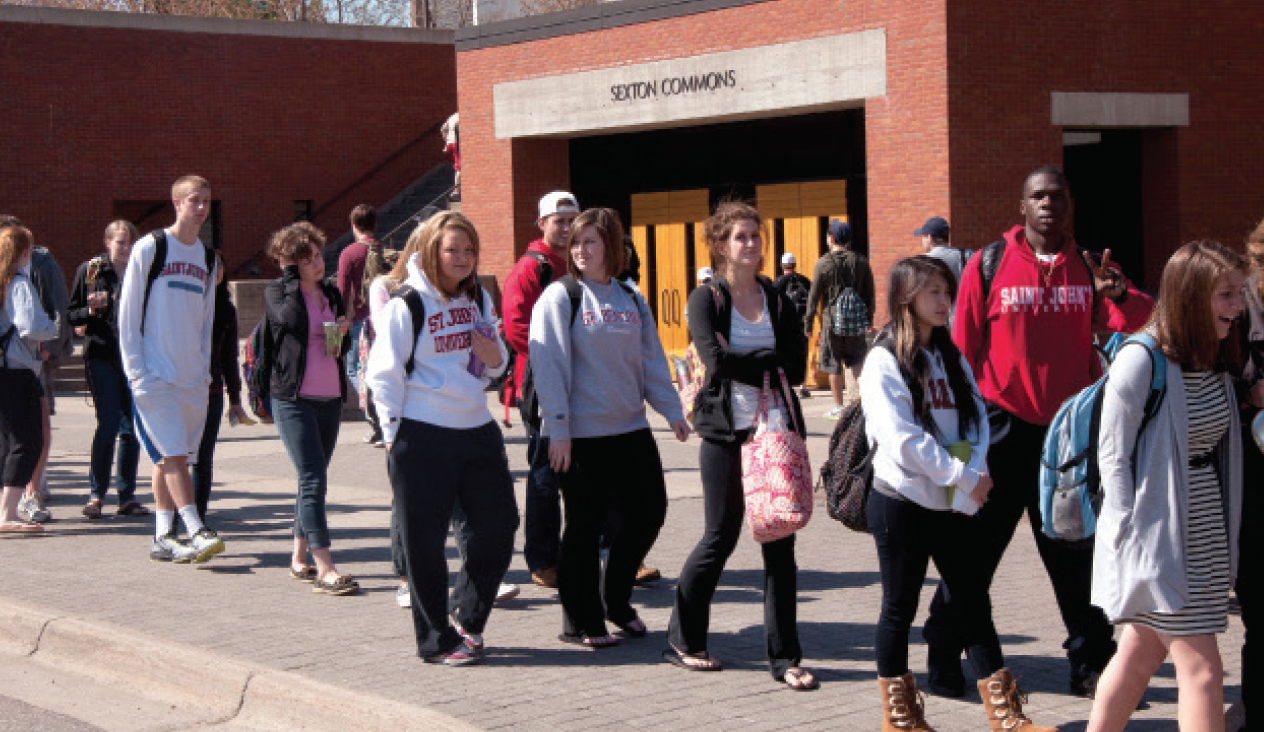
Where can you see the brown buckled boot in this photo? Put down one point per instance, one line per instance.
(902, 709)
(1003, 701)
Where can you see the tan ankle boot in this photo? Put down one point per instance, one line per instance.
(902, 709)
(1003, 701)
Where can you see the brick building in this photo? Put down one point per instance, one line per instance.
(103, 111)
(883, 112)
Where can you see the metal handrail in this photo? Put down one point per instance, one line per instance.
(417, 216)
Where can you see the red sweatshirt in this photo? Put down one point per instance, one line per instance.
(522, 289)
(1030, 344)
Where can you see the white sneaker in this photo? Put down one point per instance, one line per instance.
(404, 596)
(206, 544)
(834, 413)
(32, 510)
(507, 592)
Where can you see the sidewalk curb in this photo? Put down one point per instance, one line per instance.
(226, 690)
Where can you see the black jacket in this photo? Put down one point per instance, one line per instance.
(713, 413)
(102, 327)
(225, 369)
(287, 321)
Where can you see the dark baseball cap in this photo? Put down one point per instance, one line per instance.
(935, 226)
(840, 231)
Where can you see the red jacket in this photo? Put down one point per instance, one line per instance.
(522, 289)
(1030, 344)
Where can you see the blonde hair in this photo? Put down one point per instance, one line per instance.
(15, 242)
(122, 225)
(425, 241)
(186, 185)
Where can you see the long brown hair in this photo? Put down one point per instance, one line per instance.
(1184, 324)
(908, 278)
(15, 242)
(610, 229)
(720, 226)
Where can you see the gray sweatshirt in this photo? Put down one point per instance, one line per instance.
(593, 378)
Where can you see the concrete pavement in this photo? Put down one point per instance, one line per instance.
(85, 600)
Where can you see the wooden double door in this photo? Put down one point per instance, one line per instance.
(667, 231)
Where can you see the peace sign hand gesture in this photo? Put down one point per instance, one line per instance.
(1107, 281)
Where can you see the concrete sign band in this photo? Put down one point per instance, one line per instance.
(832, 72)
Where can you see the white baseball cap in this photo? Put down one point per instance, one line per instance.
(705, 274)
(558, 202)
(787, 258)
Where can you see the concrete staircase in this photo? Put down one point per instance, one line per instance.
(392, 217)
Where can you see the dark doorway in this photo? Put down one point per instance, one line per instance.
(727, 159)
(1105, 171)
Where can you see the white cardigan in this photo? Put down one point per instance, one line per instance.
(1139, 562)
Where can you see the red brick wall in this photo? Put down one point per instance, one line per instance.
(99, 115)
(1006, 58)
(906, 132)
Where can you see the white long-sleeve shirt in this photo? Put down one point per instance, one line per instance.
(909, 459)
(176, 347)
(440, 390)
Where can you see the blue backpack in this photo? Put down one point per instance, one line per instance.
(1070, 484)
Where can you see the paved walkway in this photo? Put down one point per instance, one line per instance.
(243, 606)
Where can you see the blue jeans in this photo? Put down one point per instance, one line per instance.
(203, 472)
(543, 530)
(113, 400)
(353, 355)
(309, 431)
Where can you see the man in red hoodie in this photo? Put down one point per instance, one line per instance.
(1028, 336)
(542, 263)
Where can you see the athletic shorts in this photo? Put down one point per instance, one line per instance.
(170, 420)
(839, 351)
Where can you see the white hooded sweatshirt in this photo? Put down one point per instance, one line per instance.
(909, 460)
(440, 391)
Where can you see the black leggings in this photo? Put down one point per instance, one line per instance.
(21, 425)
(725, 506)
(908, 536)
(624, 470)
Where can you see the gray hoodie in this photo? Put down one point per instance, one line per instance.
(593, 378)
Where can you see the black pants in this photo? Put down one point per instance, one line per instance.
(908, 536)
(21, 425)
(1250, 544)
(725, 506)
(431, 468)
(623, 470)
(1013, 464)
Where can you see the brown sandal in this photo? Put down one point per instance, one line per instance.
(132, 508)
(93, 508)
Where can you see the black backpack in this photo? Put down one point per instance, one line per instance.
(160, 262)
(798, 294)
(847, 474)
(417, 311)
(529, 405)
(990, 262)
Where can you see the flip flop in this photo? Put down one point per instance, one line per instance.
(594, 642)
(20, 529)
(629, 630)
(676, 658)
(797, 675)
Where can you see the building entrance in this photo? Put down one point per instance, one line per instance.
(667, 231)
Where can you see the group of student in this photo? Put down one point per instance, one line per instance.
(956, 417)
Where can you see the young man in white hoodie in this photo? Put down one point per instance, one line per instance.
(443, 446)
(165, 339)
